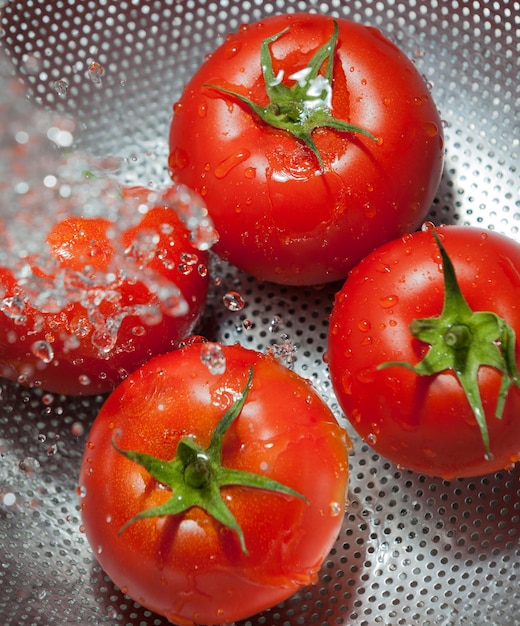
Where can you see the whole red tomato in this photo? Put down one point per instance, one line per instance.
(213, 484)
(422, 351)
(312, 141)
(101, 301)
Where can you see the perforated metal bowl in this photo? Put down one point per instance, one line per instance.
(413, 550)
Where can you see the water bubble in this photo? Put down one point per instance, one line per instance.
(42, 438)
(43, 351)
(212, 355)
(233, 301)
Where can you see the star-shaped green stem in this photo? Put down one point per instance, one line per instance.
(463, 340)
(306, 104)
(195, 475)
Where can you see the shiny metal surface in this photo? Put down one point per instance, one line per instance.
(413, 550)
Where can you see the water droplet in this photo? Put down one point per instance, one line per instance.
(274, 324)
(229, 163)
(77, 429)
(13, 307)
(233, 301)
(431, 129)
(61, 87)
(212, 355)
(335, 509)
(426, 226)
(31, 63)
(369, 210)
(95, 73)
(346, 382)
(232, 49)
(389, 301)
(178, 159)
(29, 465)
(84, 380)
(104, 339)
(9, 498)
(364, 326)
(47, 399)
(383, 552)
(81, 491)
(372, 439)
(285, 351)
(43, 351)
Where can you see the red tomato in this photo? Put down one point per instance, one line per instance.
(188, 566)
(427, 421)
(304, 210)
(100, 302)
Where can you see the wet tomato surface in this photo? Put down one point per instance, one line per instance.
(312, 141)
(172, 487)
(427, 372)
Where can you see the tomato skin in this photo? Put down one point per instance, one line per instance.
(279, 216)
(84, 339)
(424, 423)
(188, 567)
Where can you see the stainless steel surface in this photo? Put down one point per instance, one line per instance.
(413, 550)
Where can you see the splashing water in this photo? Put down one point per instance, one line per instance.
(44, 179)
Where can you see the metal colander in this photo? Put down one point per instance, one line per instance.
(412, 550)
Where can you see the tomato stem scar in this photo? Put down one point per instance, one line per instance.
(303, 106)
(195, 475)
(463, 340)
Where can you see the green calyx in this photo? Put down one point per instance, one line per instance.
(305, 105)
(195, 475)
(463, 340)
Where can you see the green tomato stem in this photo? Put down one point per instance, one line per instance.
(304, 106)
(195, 475)
(462, 340)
